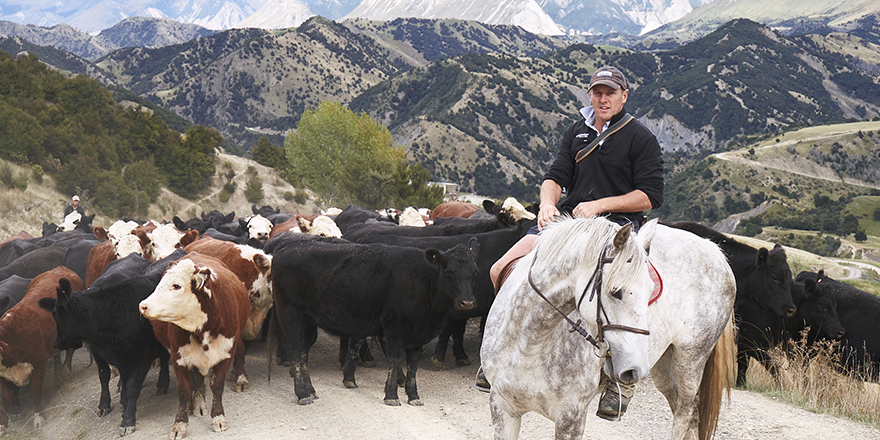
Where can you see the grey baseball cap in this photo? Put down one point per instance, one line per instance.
(609, 76)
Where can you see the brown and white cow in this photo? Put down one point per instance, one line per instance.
(26, 336)
(254, 268)
(198, 311)
(315, 225)
(160, 242)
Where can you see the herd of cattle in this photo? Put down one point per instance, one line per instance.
(207, 286)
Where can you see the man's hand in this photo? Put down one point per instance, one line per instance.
(546, 214)
(587, 209)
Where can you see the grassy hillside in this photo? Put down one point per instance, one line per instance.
(40, 202)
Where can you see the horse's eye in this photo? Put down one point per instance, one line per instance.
(617, 294)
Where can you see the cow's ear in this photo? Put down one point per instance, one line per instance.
(47, 304)
(100, 233)
(263, 262)
(304, 225)
(474, 245)
(254, 208)
(202, 275)
(810, 288)
(763, 253)
(188, 237)
(436, 257)
(490, 206)
(178, 223)
(229, 217)
(820, 276)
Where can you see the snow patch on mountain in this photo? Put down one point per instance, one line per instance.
(278, 14)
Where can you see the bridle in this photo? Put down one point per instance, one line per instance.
(596, 291)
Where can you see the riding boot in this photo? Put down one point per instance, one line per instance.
(482, 383)
(613, 405)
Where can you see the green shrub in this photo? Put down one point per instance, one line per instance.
(38, 173)
(287, 195)
(300, 198)
(224, 196)
(253, 192)
(21, 181)
(7, 176)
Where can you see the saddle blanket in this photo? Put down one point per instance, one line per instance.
(658, 283)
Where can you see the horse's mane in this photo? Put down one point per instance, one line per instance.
(574, 243)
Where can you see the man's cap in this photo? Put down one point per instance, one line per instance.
(609, 76)
(76, 198)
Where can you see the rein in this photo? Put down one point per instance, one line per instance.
(596, 282)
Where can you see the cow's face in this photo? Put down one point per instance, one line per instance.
(120, 229)
(458, 267)
(819, 309)
(127, 245)
(68, 325)
(177, 298)
(259, 227)
(515, 211)
(769, 285)
(163, 241)
(70, 222)
(411, 217)
(325, 227)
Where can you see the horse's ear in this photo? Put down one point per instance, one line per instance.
(646, 234)
(622, 236)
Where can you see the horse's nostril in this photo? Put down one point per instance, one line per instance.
(629, 377)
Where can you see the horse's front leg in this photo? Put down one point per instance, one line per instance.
(570, 420)
(505, 424)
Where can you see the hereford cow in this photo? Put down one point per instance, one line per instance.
(106, 318)
(162, 241)
(198, 311)
(356, 290)
(26, 336)
(253, 268)
(453, 208)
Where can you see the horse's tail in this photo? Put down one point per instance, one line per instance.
(717, 376)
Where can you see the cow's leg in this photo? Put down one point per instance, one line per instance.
(8, 392)
(742, 364)
(199, 400)
(458, 328)
(344, 344)
(238, 372)
(184, 396)
(442, 345)
(395, 354)
(218, 416)
(61, 375)
(349, 363)
(412, 366)
(164, 375)
(104, 407)
(132, 383)
(366, 356)
(37, 377)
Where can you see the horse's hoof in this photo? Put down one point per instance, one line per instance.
(241, 385)
(416, 402)
(437, 363)
(392, 402)
(306, 401)
(38, 421)
(104, 411)
(368, 364)
(219, 423)
(125, 430)
(463, 362)
(178, 431)
(349, 384)
(161, 391)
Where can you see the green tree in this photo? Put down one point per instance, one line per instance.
(344, 157)
(264, 153)
(253, 191)
(189, 166)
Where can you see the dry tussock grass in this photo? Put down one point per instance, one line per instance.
(811, 376)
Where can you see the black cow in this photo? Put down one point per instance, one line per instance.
(355, 214)
(356, 290)
(13, 249)
(77, 256)
(36, 262)
(12, 290)
(215, 218)
(357, 231)
(816, 310)
(493, 245)
(106, 317)
(195, 224)
(763, 291)
(859, 313)
(266, 211)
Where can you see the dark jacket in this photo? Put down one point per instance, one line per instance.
(70, 209)
(626, 161)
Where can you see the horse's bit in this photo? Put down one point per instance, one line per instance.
(595, 281)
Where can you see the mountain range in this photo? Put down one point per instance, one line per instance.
(549, 17)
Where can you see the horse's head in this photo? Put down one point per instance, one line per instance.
(623, 308)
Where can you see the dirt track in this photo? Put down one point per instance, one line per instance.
(453, 409)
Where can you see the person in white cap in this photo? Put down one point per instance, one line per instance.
(610, 165)
(74, 206)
